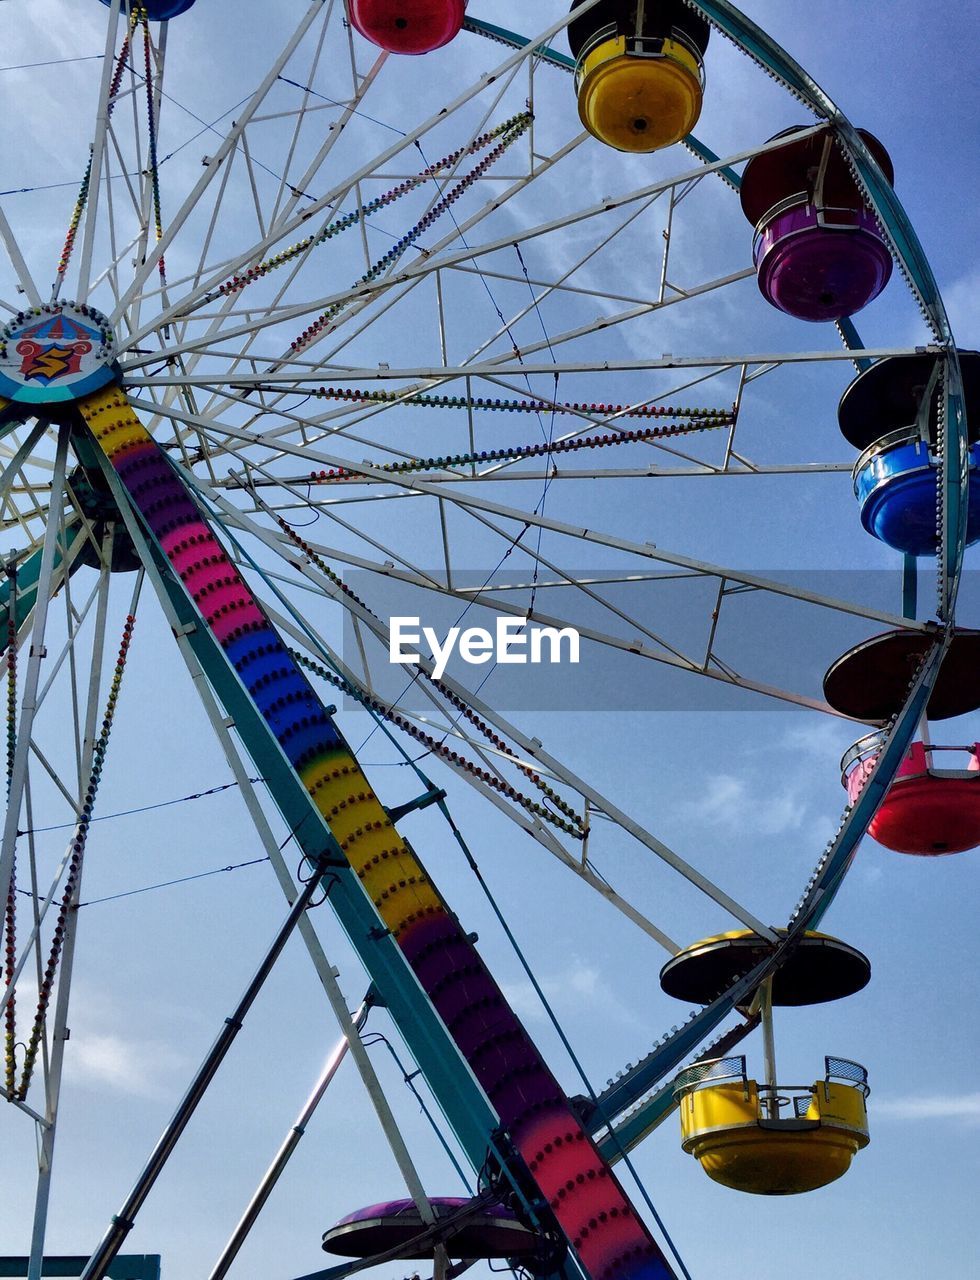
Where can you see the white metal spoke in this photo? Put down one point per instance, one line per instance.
(25, 725)
(656, 846)
(24, 277)
(521, 516)
(59, 1029)
(97, 156)
(227, 147)
(259, 248)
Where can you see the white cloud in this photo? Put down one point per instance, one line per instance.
(128, 1066)
(961, 298)
(761, 801)
(100, 1054)
(964, 1107)
(820, 738)
(728, 802)
(870, 875)
(580, 984)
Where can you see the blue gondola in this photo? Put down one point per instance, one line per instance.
(158, 10)
(891, 413)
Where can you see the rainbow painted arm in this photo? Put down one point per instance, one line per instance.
(566, 1180)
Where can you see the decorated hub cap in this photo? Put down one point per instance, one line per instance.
(55, 354)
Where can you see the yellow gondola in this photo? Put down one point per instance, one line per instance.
(772, 1140)
(640, 71)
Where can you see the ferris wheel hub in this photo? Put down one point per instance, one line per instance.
(54, 355)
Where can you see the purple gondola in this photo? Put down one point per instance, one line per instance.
(467, 1228)
(818, 250)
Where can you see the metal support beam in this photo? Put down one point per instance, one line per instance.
(124, 1221)
(60, 1031)
(432, 796)
(282, 1157)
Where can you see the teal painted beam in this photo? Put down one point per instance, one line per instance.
(27, 576)
(852, 341)
(637, 1126)
(645, 1113)
(910, 586)
(142, 1266)
(826, 883)
(956, 480)
(708, 156)
(765, 50)
(503, 36)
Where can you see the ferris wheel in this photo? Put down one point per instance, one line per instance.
(447, 322)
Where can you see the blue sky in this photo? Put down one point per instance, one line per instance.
(749, 796)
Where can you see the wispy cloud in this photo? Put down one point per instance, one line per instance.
(820, 738)
(766, 802)
(870, 875)
(731, 804)
(104, 1053)
(101, 1054)
(961, 298)
(957, 1106)
(134, 1067)
(580, 984)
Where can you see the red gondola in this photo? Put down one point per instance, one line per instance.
(407, 26)
(927, 811)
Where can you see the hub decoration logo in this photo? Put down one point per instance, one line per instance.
(53, 349)
(55, 353)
